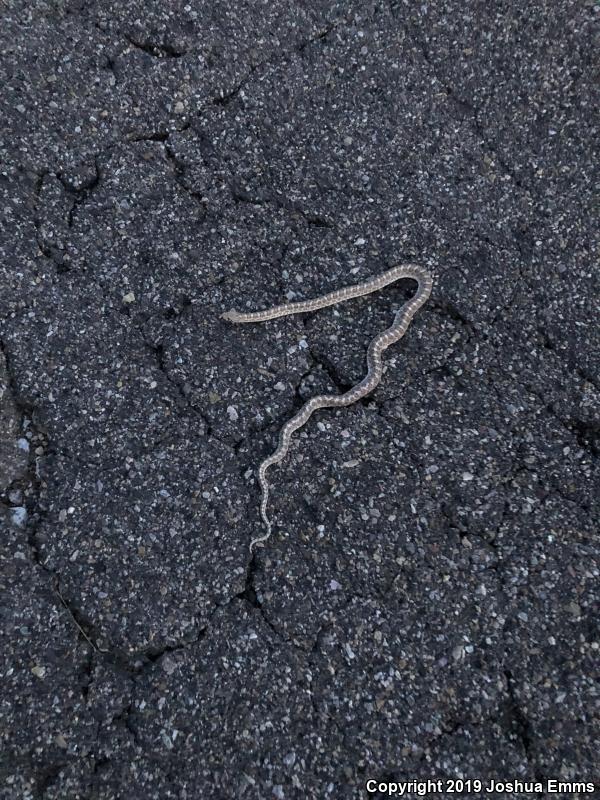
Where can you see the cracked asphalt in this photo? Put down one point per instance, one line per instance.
(427, 606)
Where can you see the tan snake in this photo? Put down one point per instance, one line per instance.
(375, 350)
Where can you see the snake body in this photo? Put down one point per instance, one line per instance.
(375, 351)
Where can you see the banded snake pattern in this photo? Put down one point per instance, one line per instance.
(376, 348)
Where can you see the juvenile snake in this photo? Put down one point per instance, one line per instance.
(375, 350)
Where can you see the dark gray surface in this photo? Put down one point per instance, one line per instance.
(427, 606)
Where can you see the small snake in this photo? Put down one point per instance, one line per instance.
(374, 364)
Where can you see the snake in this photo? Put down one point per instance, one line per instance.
(378, 345)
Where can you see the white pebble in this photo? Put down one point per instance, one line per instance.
(19, 516)
(38, 671)
(458, 653)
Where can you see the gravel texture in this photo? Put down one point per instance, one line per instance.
(427, 606)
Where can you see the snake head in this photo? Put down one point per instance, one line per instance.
(230, 316)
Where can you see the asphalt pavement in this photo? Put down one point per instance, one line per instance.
(427, 606)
